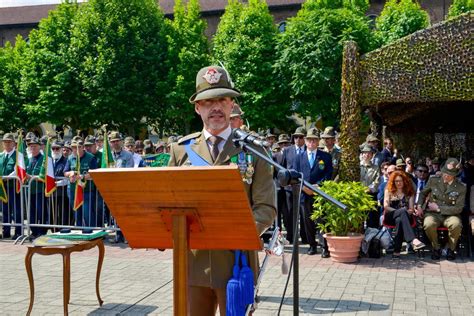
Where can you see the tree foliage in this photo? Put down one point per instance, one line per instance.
(13, 114)
(50, 78)
(459, 7)
(400, 18)
(245, 43)
(310, 56)
(188, 52)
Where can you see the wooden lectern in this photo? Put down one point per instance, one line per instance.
(181, 208)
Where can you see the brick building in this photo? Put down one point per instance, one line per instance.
(21, 20)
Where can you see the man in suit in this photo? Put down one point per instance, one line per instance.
(289, 155)
(12, 209)
(61, 213)
(316, 166)
(210, 270)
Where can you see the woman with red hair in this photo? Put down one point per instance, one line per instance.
(398, 210)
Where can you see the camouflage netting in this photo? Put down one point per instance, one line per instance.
(423, 84)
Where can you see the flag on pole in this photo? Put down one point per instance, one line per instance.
(80, 184)
(21, 162)
(47, 171)
(107, 157)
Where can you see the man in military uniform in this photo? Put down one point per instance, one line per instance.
(90, 145)
(130, 147)
(236, 114)
(12, 209)
(209, 271)
(38, 214)
(122, 158)
(444, 198)
(270, 138)
(370, 177)
(378, 157)
(67, 150)
(283, 141)
(329, 136)
(86, 214)
(61, 213)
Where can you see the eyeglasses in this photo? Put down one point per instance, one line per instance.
(298, 136)
(56, 148)
(422, 171)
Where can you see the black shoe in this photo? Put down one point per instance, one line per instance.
(436, 254)
(450, 255)
(325, 253)
(312, 250)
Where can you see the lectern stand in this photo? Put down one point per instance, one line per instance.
(181, 208)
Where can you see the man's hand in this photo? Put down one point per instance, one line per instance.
(411, 211)
(432, 206)
(419, 211)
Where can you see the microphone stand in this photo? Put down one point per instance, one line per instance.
(296, 180)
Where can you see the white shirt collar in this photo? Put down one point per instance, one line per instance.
(225, 134)
(10, 152)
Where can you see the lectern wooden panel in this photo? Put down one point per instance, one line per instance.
(143, 200)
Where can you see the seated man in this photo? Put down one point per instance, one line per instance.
(445, 200)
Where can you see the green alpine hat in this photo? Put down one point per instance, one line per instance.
(400, 163)
(77, 141)
(90, 140)
(283, 138)
(329, 132)
(366, 148)
(8, 137)
(113, 136)
(213, 82)
(371, 138)
(236, 111)
(129, 141)
(34, 140)
(313, 133)
(451, 167)
(301, 131)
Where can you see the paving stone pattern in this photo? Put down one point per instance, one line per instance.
(139, 282)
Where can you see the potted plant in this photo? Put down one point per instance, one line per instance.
(343, 228)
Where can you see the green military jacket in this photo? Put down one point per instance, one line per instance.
(7, 164)
(33, 169)
(370, 176)
(336, 160)
(449, 197)
(84, 168)
(213, 268)
(98, 157)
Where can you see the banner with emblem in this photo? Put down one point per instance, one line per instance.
(157, 160)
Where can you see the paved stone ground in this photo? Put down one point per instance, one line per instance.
(138, 282)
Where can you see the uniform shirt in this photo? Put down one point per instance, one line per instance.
(138, 161)
(448, 196)
(7, 163)
(336, 159)
(87, 161)
(225, 134)
(123, 159)
(33, 169)
(369, 176)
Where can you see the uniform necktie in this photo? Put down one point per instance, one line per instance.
(311, 160)
(422, 185)
(215, 140)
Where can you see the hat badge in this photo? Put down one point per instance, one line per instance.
(212, 76)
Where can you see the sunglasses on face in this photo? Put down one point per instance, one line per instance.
(56, 148)
(298, 136)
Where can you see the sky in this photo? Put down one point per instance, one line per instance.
(21, 3)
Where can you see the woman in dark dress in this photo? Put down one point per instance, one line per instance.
(398, 210)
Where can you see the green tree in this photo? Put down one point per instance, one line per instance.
(122, 50)
(310, 56)
(245, 43)
(188, 52)
(13, 114)
(400, 18)
(50, 78)
(459, 7)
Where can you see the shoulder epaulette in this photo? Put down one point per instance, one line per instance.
(188, 137)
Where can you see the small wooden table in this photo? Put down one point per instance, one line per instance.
(65, 251)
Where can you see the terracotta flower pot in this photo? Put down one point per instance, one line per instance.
(344, 248)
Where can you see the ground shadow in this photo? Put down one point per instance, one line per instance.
(327, 306)
(114, 309)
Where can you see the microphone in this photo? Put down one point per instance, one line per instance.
(239, 134)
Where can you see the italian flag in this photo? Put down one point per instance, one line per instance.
(47, 171)
(107, 157)
(21, 163)
(79, 191)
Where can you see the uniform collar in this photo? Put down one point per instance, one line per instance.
(225, 134)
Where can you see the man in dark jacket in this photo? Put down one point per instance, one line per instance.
(316, 166)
